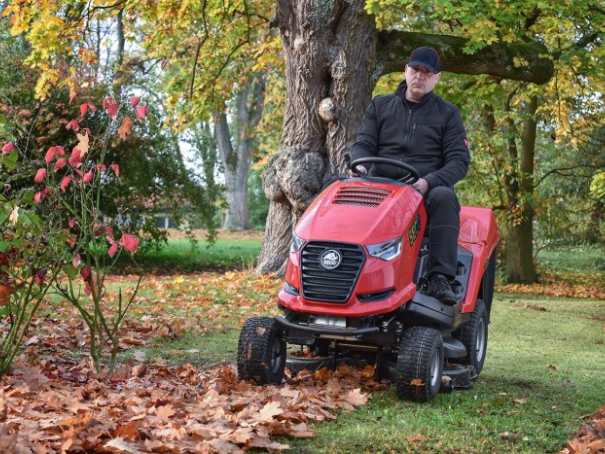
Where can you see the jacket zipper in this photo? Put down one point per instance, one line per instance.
(407, 126)
(413, 135)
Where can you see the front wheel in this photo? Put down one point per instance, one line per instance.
(261, 351)
(419, 364)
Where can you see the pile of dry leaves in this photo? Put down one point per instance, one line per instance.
(154, 408)
(591, 436)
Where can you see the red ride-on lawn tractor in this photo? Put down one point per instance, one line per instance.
(355, 292)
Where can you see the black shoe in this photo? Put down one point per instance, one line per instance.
(439, 287)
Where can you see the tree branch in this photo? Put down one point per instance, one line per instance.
(531, 19)
(560, 171)
(394, 48)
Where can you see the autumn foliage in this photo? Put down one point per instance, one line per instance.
(590, 438)
(154, 408)
(56, 223)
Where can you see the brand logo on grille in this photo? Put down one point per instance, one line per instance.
(330, 259)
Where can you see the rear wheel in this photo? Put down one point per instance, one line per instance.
(419, 364)
(474, 337)
(261, 351)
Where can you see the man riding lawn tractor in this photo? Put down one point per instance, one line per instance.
(365, 281)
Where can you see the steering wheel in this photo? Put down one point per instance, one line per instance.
(411, 176)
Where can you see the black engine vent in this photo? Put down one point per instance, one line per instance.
(334, 283)
(361, 196)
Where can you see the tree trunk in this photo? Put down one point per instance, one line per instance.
(330, 53)
(236, 159)
(121, 39)
(520, 265)
(334, 57)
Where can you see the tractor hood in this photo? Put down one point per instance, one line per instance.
(360, 211)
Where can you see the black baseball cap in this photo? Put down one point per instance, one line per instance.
(427, 57)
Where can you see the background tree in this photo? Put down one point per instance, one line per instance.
(235, 148)
(79, 61)
(222, 54)
(335, 56)
(515, 125)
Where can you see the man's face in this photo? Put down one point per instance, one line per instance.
(420, 81)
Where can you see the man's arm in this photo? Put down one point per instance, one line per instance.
(455, 152)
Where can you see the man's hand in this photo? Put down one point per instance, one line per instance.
(358, 170)
(422, 186)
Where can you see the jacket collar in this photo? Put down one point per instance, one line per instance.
(403, 86)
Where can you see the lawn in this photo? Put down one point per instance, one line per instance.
(181, 256)
(543, 372)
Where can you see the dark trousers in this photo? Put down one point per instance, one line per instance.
(443, 210)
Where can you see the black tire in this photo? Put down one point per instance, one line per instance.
(419, 364)
(474, 337)
(261, 351)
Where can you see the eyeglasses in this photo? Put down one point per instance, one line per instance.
(421, 70)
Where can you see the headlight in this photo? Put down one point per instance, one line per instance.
(387, 250)
(297, 243)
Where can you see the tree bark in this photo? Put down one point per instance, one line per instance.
(520, 258)
(236, 159)
(334, 57)
(520, 265)
(121, 39)
(330, 74)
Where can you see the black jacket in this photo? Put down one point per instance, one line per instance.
(428, 135)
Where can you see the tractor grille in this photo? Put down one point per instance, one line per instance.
(361, 196)
(332, 286)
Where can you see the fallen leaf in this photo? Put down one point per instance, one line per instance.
(121, 444)
(301, 431)
(535, 307)
(368, 372)
(417, 382)
(521, 400)
(596, 445)
(322, 374)
(165, 411)
(356, 397)
(129, 430)
(222, 445)
(139, 371)
(269, 411)
(415, 438)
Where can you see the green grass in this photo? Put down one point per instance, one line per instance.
(574, 258)
(552, 359)
(181, 256)
(205, 351)
(544, 369)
